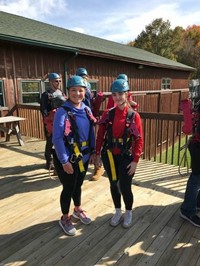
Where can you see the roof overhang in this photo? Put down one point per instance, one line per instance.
(37, 43)
(90, 52)
(135, 61)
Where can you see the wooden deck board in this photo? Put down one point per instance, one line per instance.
(30, 211)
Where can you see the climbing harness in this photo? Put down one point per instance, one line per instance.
(130, 132)
(74, 144)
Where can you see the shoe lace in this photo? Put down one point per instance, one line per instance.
(68, 221)
(82, 213)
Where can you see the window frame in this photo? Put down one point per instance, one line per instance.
(94, 82)
(38, 81)
(2, 93)
(166, 83)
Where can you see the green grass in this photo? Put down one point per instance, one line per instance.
(183, 155)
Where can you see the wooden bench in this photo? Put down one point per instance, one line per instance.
(10, 125)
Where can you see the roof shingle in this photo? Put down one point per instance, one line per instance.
(24, 30)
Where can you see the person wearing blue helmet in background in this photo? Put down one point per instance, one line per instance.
(74, 143)
(82, 72)
(98, 171)
(119, 145)
(123, 76)
(50, 100)
(132, 103)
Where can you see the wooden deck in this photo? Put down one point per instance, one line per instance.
(30, 210)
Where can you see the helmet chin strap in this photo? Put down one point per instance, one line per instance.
(122, 104)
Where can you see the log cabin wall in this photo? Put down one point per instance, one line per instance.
(18, 61)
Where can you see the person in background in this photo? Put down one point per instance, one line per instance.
(132, 103)
(120, 142)
(47, 104)
(82, 72)
(191, 203)
(90, 101)
(74, 143)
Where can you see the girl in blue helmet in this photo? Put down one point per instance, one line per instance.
(74, 142)
(119, 142)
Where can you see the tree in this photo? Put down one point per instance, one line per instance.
(178, 44)
(160, 39)
(189, 53)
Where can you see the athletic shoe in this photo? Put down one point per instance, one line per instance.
(80, 214)
(67, 226)
(127, 219)
(117, 217)
(194, 219)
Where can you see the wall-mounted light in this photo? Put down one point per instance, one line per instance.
(140, 66)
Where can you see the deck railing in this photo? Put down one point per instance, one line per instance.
(163, 136)
(164, 140)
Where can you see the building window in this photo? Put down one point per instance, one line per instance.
(46, 86)
(166, 84)
(31, 91)
(94, 86)
(2, 101)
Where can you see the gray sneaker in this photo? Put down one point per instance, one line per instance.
(194, 219)
(117, 218)
(127, 219)
(80, 214)
(67, 226)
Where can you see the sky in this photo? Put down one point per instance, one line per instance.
(115, 20)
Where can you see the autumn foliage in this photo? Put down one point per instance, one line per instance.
(182, 45)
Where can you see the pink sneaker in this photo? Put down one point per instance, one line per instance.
(80, 214)
(67, 226)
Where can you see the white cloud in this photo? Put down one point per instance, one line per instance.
(131, 24)
(34, 9)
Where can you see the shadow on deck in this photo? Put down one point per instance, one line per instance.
(30, 210)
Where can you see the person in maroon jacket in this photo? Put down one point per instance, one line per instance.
(119, 145)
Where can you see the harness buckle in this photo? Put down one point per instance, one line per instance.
(75, 159)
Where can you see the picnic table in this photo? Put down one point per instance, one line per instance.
(10, 125)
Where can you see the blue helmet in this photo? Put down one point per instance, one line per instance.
(122, 76)
(76, 81)
(53, 76)
(119, 85)
(81, 72)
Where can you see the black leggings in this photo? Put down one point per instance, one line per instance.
(71, 185)
(48, 147)
(121, 186)
(194, 148)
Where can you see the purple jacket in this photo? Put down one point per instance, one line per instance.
(86, 133)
